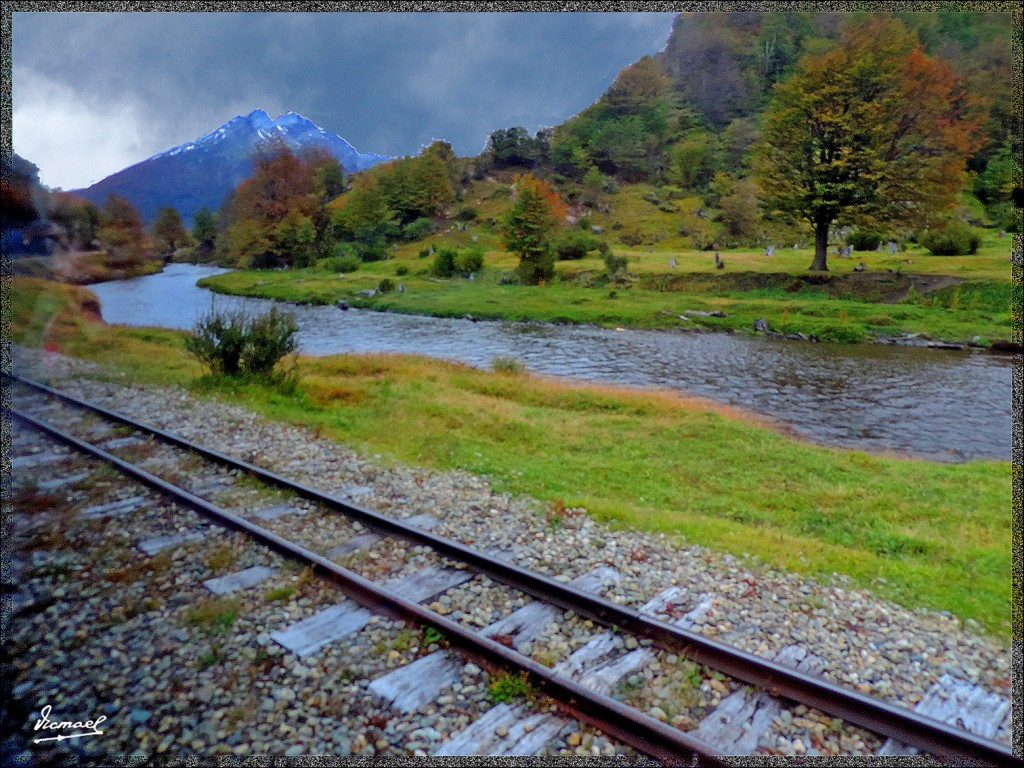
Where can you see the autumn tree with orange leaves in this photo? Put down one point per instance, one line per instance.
(275, 217)
(872, 132)
(528, 227)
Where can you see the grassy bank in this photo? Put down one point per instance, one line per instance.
(923, 533)
(81, 267)
(954, 298)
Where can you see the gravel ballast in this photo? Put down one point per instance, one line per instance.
(122, 638)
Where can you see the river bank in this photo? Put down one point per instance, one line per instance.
(919, 532)
(907, 400)
(879, 306)
(81, 267)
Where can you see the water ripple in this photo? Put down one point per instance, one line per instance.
(948, 406)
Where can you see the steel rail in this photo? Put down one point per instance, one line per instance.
(925, 733)
(612, 717)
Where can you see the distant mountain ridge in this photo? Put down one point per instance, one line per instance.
(202, 172)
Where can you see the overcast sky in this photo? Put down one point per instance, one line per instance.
(96, 92)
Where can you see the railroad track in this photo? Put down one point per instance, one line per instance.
(583, 684)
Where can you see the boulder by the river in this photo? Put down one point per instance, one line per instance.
(342, 305)
(761, 325)
(1002, 345)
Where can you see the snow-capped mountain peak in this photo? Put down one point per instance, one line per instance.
(201, 172)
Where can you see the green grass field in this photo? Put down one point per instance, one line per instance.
(922, 533)
(851, 308)
(943, 297)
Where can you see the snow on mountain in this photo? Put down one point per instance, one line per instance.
(202, 172)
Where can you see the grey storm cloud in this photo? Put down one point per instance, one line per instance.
(94, 92)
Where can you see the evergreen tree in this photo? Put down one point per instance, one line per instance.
(529, 225)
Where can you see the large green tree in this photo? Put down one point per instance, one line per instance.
(417, 187)
(168, 231)
(204, 230)
(871, 132)
(512, 146)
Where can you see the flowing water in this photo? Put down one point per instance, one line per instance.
(944, 405)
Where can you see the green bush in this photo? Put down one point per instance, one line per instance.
(341, 250)
(386, 285)
(842, 334)
(347, 263)
(469, 213)
(953, 239)
(540, 268)
(401, 270)
(418, 229)
(864, 240)
(376, 251)
(575, 244)
(449, 262)
(468, 262)
(614, 265)
(444, 262)
(233, 342)
(271, 336)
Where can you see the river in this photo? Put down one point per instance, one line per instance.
(936, 404)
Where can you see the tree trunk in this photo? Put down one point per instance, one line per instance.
(820, 262)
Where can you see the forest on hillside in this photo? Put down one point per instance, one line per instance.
(688, 128)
